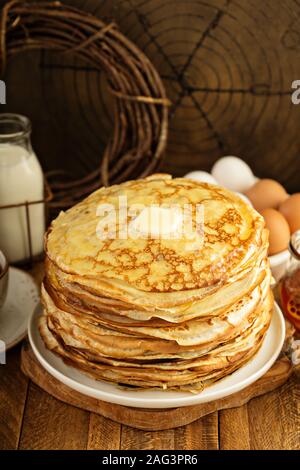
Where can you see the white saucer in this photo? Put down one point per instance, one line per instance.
(240, 379)
(21, 301)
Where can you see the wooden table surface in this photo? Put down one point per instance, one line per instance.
(32, 419)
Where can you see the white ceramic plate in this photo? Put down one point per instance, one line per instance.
(21, 301)
(240, 379)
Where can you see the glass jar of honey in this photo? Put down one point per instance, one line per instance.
(289, 287)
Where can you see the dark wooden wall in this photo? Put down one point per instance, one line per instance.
(227, 66)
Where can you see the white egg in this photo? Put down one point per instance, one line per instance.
(242, 196)
(233, 173)
(201, 176)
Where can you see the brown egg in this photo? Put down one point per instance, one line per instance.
(266, 193)
(290, 208)
(279, 235)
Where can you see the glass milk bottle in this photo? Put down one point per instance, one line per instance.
(21, 181)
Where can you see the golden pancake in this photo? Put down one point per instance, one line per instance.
(232, 232)
(103, 342)
(173, 307)
(149, 312)
(165, 375)
(190, 333)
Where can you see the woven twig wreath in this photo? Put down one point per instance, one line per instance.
(140, 125)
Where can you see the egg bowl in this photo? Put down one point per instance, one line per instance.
(279, 264)
(280, 261)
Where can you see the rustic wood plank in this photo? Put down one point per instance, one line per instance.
(104, 434)
(274, 419)
(234, 429)
(50, 424)
(13, 391)
(201, 434)
(135, 439)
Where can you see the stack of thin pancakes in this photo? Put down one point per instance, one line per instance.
(151, 312)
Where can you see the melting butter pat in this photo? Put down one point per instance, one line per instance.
(156, 221)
